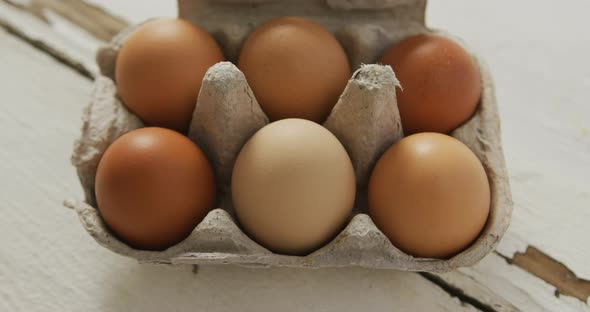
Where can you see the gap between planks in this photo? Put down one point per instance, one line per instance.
(477, 300)
(103, 26)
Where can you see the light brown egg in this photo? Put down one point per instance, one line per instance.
(293, 186)
(160, 69)
(429, 194)
(153, 186)
(440, 83)
(296, 68)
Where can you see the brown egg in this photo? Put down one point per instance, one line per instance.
(153, 186)
(429, 194)
(293, 186)
(440, 83)
(160, 69)
(296, 68)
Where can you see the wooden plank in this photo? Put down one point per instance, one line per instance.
(56, 34)
(49, 263)
(566, 282)
(88, 17)
(537, 55)
(542, 93)
(540, 184)
(534, 208)
(56, 54)
(506, 287)
(542, 103)
(472, 291)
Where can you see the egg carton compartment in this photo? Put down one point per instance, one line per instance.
(365, 119)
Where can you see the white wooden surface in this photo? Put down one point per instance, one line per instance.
(538, 52)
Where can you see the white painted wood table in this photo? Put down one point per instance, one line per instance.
(539, 52)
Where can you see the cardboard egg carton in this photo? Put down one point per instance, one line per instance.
(365, 119)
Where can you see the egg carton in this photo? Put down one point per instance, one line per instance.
(365, 119)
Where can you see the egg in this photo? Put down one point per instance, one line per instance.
(296, 68)
(293, 186)
(153, 186)
(160, 68)
(429, 194)
(440, 83)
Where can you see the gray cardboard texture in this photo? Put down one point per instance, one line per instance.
(227, 114)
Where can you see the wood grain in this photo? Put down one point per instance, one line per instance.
(502, 286)
(58, 55)
(542, 91)
(91, 18)
(58, 38)
(539, 61)
(471, 291)
(553, 272)
(49, 263)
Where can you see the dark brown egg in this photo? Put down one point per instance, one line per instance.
(296, 68)
(440, 83)
(160, 69)
(429, 194)
(153, 186)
